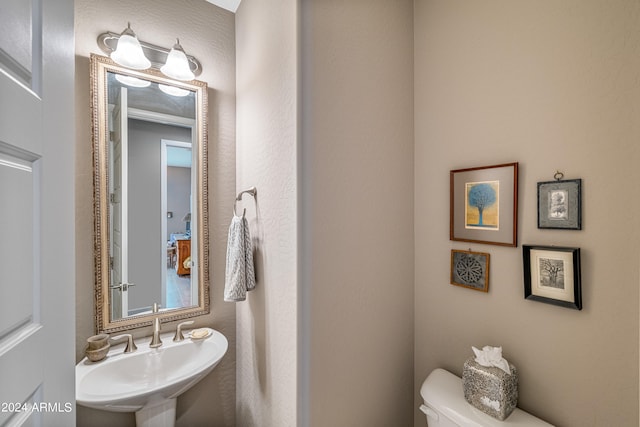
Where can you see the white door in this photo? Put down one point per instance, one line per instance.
(37, 259)
(119, 207)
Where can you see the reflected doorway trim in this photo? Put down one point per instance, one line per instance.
(170, 120)
(163, 208)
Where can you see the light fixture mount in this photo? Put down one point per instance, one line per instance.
(156, 54)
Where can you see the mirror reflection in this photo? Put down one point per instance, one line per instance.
(150, 165)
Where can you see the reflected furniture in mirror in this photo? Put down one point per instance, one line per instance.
(150, 161)
(183, 253)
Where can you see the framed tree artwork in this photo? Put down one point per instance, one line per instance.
(552, 275)
(484, 204)
(560, 204)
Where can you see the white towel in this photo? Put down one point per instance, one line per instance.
(240, 276)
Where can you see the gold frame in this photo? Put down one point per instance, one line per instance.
(484, 284)
(100, 65)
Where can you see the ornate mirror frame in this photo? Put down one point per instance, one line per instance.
(100, 65)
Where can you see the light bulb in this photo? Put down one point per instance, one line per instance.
(173, 91)
(132, 81)
(177, 65)
(129, 53)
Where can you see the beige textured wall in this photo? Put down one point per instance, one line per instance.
(206, 32)
(554, 86)
(267, 156)
(357, 213)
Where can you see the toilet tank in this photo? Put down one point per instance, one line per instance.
(445, 406)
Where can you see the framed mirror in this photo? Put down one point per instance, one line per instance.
(150, 196)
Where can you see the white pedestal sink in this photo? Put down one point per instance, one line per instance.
(149, 380)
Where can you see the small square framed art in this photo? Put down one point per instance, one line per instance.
(470, 270)
(552, 275)
(560, 204)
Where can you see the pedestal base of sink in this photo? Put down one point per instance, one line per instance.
(161, 414)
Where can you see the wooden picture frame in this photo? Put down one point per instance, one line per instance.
(470, 270)
(484, 204)
(560, 204)
(552, 275)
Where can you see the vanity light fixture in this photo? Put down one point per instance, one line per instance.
(160, 58)
(128, 52)
(177, 65)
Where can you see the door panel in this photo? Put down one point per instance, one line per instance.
(16, 185)
(21, 40)
(20, 327)
(16, 97)
(37, 256)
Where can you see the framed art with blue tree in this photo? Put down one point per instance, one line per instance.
(484, 204)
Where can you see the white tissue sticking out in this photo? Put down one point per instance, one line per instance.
(493, 404)
(491, 356)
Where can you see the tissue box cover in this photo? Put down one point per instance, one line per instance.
(490, 389)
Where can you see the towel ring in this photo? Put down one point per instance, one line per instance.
(251, 191)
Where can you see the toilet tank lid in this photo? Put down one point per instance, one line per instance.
(443, 392)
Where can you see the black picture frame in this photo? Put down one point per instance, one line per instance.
(552, 275)
(560, 204)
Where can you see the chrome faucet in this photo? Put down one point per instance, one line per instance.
(131, 345)
(155, 340)
(178, 336)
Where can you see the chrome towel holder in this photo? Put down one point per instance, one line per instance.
(253, 191)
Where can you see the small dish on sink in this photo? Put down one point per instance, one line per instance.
(200, 334)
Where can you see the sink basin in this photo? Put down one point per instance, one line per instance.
(149, 380)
